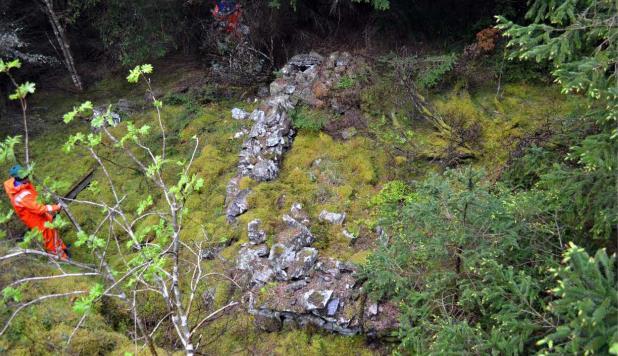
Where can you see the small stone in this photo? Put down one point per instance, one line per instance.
(263, 275)
(239, 134)
(209, 254)
(316, 299)
(299, 214)
(257, 115)
(277, 86)
(238, 206)
(265, 170)
(348, 234)
(289, 89)
(331, 308)
(298, 236)
(333, 218)
(303, 263)
(343, 60)
(345, 267)
(239, 114)
(274, 141)
(293, 287)
(256, 236)
(372, 310)
(348, 133)
(262, 251)
(269, 322)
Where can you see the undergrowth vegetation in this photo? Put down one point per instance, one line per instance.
(480, 201)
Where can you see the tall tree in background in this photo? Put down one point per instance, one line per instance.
(63, 42)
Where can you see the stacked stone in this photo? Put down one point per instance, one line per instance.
(303, 288)
(272, 132)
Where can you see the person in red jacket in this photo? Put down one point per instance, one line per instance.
(23, 195)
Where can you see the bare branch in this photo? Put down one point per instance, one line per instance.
(34, 301)
(43, 278)
(212, 315)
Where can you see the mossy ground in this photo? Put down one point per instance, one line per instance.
(319, 172)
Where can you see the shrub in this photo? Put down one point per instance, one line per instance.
(310, 120)
(463, 263)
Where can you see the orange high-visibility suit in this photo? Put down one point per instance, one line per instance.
(228, 12)
(34, 215)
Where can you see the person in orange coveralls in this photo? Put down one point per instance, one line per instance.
(23, 195)
(227, 12)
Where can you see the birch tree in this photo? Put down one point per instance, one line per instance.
(131, 259)
(63, 42)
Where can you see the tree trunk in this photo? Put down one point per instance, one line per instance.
(63, 42)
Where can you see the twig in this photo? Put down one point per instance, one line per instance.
(34, 301)
(229, 305)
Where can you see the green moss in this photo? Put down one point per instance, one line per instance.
(246, 183)
(360, 258)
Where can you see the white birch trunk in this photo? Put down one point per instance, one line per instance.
(63, 42)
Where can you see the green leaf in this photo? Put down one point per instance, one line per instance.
(22, 91)
(68, 117)
(146, 68)
(11, 293)
(6, 66)
(144, 204)
(134, 75)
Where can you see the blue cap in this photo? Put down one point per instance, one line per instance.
(18, 172)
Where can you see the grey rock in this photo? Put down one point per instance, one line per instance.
(294, 286)
(281, 257)
(256, 236)
(209, 254)
(299, 214)
(303, 262)
(304, 61)
(262, 251)
(239, 114)
(316, 299)
(267, 321)
(331, 308)
(302, 236)
(277, 87)
(246, 258)
(238, 205)
(289, 89)
(265, 171)
(348, 234)
(283, 101)
(348, 133)
(333, 218)
(372, 309)
(263, 275)
(343, 59)
(257, 115)
(274, 141)
(345, 267)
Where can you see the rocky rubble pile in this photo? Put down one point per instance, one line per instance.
(294, 287)
(306, 78)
